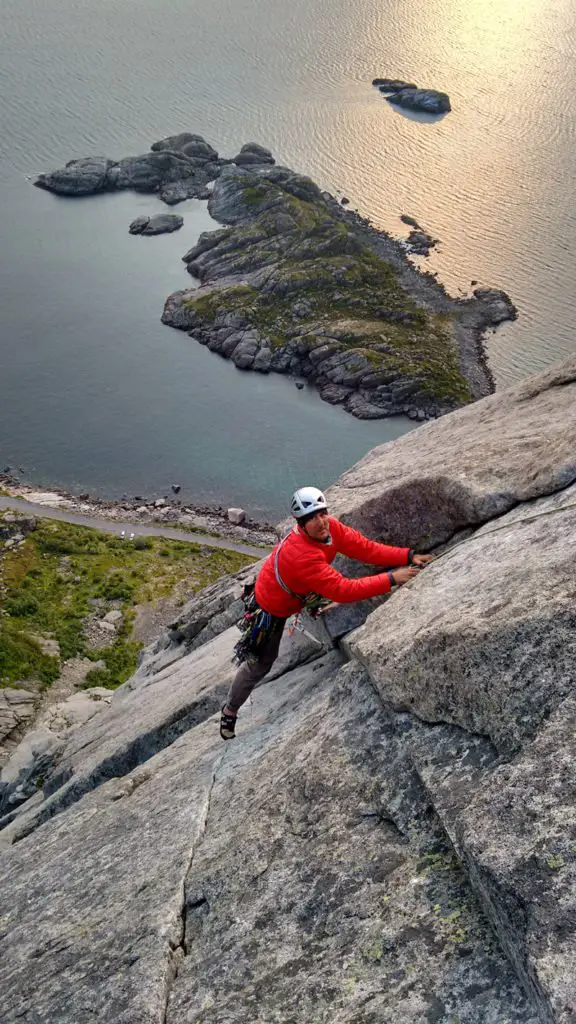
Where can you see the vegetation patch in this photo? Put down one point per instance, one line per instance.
(62, 575)
(318, 273)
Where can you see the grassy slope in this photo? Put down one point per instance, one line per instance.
(51, 579)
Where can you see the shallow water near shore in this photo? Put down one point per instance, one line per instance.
(117, 403)
(94, 393)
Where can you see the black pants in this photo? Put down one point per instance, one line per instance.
(255, 668)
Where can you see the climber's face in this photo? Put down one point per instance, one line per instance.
(318, 528)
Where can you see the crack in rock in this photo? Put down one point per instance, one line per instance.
(177, 950)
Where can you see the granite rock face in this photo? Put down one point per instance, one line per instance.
(338, 898)
(467, 468)
(391, 839)
(495, 645)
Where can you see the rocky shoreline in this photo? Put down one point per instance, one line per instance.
(294, 283)
(166, 511)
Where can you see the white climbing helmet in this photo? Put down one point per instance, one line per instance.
(307, 500)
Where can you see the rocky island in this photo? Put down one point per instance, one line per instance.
(294, 283)
(392, 835)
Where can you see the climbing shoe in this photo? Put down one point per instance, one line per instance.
(227, 725)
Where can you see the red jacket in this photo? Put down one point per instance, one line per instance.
(304, 566)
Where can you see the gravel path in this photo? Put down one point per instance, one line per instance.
(138, 529)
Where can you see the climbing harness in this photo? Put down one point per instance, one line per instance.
(256, 627)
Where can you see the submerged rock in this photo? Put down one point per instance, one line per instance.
(420, 243)
(392, 84)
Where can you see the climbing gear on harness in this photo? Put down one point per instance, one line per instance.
(256, 626)
(307, 500)
(227, 725)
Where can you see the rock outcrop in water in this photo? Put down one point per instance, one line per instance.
(160, 224)
(409, 96)
(426, 101)
(292, 284)
(390, 839)
(295, 284)
(179, 167)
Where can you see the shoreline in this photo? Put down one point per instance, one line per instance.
(472, 319)
(155, 512)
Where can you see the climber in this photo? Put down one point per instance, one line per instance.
(294, 575)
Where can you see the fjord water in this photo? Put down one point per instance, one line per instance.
(94, 393)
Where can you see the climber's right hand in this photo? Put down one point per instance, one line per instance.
(402, 575)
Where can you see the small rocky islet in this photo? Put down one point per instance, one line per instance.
(409, 96)
(294, 283)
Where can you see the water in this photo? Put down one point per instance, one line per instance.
(95, 393)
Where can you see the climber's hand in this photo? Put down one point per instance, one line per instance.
(407, 572)
(422, 560)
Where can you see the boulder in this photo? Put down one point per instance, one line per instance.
(193, 146)
(420, 243)
(160, 224)
(252, 154)
(79, 177)
(428, 101)
(263, 360)
(178, 191)
(497, 305)
(147, 173)
(17, 708)
(236, 516)
(114, 616)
